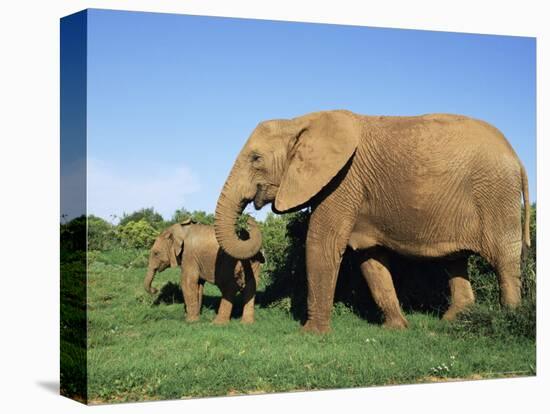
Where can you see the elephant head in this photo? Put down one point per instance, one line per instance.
(284, 162)
(166, 252)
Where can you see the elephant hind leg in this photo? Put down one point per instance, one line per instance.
(462, 294)
(378, 277)
(200, 293)
(190, 288)
(508, 271)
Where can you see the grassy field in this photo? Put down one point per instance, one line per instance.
(140, 349)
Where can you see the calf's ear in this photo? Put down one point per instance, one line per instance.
(176, 248)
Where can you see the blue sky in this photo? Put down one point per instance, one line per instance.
(172, 98)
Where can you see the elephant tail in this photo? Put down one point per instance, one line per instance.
(526, 242)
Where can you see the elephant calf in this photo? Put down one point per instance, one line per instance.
(194, 247)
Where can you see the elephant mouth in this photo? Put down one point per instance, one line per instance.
(262, 197)
(259, 203)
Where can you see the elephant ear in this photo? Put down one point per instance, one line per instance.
(175, 247)
(323, 145)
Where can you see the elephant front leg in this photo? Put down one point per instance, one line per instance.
(190, 288)
(376, 272)
(324, 252)
(226, 306)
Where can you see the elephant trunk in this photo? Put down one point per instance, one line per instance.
(228, 209)
(149, 280)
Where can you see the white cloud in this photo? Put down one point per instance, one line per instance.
(113, 190)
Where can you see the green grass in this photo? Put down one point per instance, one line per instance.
(142, 351)
(73, 325)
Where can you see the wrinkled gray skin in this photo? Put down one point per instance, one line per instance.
(432, 186)
(194, 247)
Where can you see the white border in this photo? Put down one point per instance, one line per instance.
(29, 162)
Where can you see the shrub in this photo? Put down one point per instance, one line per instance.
(137, 234)
(181, 214)
(275, 243)
(198, 216)
(101, 234)
(497, 322)
(533, 232)
(284, 271)
(284, 304)
(149, 215)
(73, 234)
(484, 281)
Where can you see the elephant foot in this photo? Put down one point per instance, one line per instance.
(315, 327)
(396, 323)
(247, 320)
(510, 304)
(191, 319)
(453, 312)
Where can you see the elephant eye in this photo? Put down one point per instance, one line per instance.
(255, 157)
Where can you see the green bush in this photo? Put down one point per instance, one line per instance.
(275, 243)
(101, 234)
(149, 215)
(284, 272)
(198, 216)
(533, 233)
(73, 234)
(484, 281)
(137, 234)
(494, 321)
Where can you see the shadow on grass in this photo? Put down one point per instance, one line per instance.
(421, 286)
(171, 294)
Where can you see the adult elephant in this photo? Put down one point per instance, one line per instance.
(427, 186)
